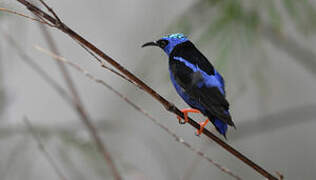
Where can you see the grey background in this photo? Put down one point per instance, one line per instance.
(274, 119)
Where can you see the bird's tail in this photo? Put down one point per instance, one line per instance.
(220, 126)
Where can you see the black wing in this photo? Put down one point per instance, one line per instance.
(213, 101)
(189, 52)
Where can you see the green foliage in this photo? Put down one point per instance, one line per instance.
(238, 24)
(302, 13)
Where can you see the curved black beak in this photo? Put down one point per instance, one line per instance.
(150, 44)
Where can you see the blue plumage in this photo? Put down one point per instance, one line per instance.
(196, 80)
(215, 80)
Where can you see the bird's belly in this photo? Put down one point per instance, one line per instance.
(190, 101)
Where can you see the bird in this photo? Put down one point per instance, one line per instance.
(196, 81)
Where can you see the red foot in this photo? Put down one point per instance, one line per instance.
(185, 112)
(202, 125)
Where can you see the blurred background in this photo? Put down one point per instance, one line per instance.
(264, 49)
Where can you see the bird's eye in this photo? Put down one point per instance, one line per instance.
(162, 43)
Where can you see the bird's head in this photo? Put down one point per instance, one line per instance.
(167, 43)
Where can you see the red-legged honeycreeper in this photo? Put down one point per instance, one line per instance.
(196, 81)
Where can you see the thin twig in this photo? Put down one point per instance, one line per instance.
(25, 16)
(50, 81)
(105, 66)
(136, 107)
(77, 100)
(25, 58)
(46, 77)
(43, 149)
(50, 10)
(168, 106)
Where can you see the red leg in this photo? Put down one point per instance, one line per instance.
(185, 112)
(202, 125)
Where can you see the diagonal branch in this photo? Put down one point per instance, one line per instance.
(102, 64)
(169, 106)
(136, 107)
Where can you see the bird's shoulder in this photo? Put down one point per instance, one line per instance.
(189, 53)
